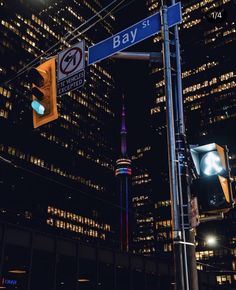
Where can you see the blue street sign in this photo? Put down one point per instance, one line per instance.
(133, 34)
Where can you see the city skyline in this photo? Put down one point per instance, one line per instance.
(61, 177)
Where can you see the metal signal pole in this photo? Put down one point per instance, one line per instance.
(184, 172)
(174, 189)
(179, 172)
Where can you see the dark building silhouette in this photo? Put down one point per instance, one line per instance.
(34, 260)
(61, 174)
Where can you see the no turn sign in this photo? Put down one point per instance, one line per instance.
(70, 69)
(70, 61)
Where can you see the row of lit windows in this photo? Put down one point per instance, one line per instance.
(200, 68)
(30, 32)
(146, 238)
(164, 235)
(75, 228)
(163, 224)
(223, 87)
(10, 27)
(77, 218)
(101, 70)
(208, 83)
(194, 71)
(140, 152)
(222, 279)
(108, 27)
(168, 247)
(145, 220)
(142, 181)
(220, 88)
(216, 4)
(42, 163)
(196, 6)
(76, 15)
(88, 105)
(138, 204)
(219, 34)
(145, 250)
(192, 23)
(228, 32)
(80, 152)
(144, 149)
(213, 30)
(139, 198)
(155, 110)
(163, 203)
(195, 107)
(45, 26)
(141, 176)
(204, 255)
(153, 6)
(195, 97)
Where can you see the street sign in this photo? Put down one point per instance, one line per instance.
(70, 69)
(133, 34)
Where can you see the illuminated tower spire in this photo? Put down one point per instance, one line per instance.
(123, 172)
(123, 132)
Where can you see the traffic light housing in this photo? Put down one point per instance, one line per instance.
(44, 104)
(213, 185)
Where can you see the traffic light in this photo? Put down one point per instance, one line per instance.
(44, 104)
(213, 185)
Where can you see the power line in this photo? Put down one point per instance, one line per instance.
(47, 53)
(57, 182)
(16, 166)
(221, 269)
(33, 62)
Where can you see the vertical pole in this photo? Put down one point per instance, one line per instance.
(177, 248)
(127, 214)
(188, 234)
(121, 215)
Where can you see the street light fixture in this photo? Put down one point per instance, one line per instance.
(211, 241)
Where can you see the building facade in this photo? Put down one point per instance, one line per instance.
(66, 168)
(35, 260)
(209, 81)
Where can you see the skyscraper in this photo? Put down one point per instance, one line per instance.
(62, 173)
(208, 74)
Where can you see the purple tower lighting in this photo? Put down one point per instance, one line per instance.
(123, 172)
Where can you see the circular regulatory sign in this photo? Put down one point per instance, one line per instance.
(71, 60)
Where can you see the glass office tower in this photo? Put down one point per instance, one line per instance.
(61, 174)
(209, 91)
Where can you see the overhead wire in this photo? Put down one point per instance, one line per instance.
(5, 160)
(31, 63)
(59, 42)
(48, 52)
(211, 266)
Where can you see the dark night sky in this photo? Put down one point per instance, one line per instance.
(131, 77)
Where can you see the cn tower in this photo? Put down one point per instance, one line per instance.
(123, 172)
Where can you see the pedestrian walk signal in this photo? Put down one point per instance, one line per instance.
(213, 185)
(44, 104)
